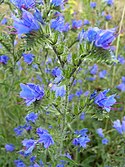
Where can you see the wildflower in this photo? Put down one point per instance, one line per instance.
(9, 147)
(109, 2)
(19, 130)
(76, 24)
(100, 132)
(56, 72)
(19, 163)
(105, 38)
(86, 22)
(82, 138)
(79, 93)
(45, 137)
(94, 69)
(93, 5)
(102, 74)
(103, 101)
(93, 95)
(27, 24)
(59, 24)
(121, 59)
(70, 97)
(57, 2)
(82, 116)
(108, 17)
(4, 59)
(31, 117)
(23, 4)
(121, 86)
(86, 93)
(60, 91)
(105, 141)
(4, 21)
(29, 145)
(28, 58)
(31, 92)
(37, 15)
(120, 127)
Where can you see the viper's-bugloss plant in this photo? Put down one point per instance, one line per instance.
(62, 83)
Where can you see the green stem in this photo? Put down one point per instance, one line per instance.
(117, 45)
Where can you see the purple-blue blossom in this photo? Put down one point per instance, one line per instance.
(31, 117)
(121, 86)
(94, 69)
(82, 138)
(57, 2)
(19, 163)
(86, 22)
(103, 101)
(9, 147)
(102, 74)
(109, 2)
(93, 5)
(105, 141)
(27, 24)
(4, 59)
(119, 126)
(99, 131)
(105, 38)
(29, 145)
(28, 58)
(76, 24)
(23, 4)
(59, 24)
(108, 17)
(31, 93)
(45, 137)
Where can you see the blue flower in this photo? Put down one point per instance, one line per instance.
(108, 17)
(105, 38)
(59, 24)
(103, 101)
(105, 141)
(120, 127)
(109, 2)
(82, 116)
(102, 74)
(19, 163)
(60, 91)
(79, 93)
(45, 137)
(121, 86)
(70, 97)
(31, 117)
(86, 22)
(57, 2)
(90, 34)
(9, 147)
(82, 138)
(23, 4)
(94, 69)
(28, 58)
(27, 24)
(121, 59)
(76, 24)
(29, 145)
(31, 92)
(56, 72)
(100, 132)
(19, 130)
(93, 5)
(4, 59)
(37, 15)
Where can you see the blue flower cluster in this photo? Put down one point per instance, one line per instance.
(82, 138)
(100, 38)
